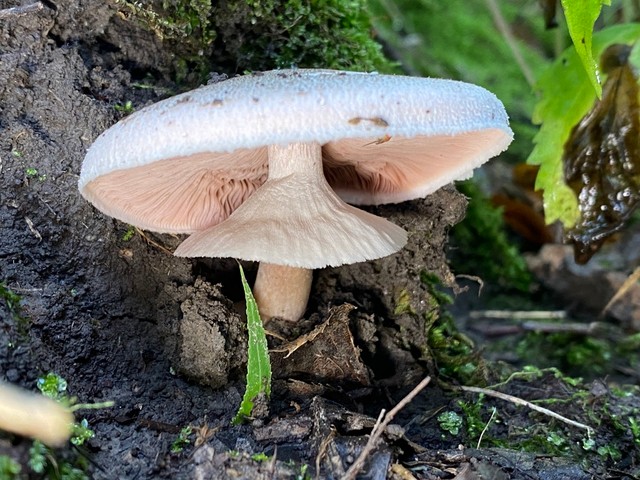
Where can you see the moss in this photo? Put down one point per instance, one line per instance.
(185, 26)
(187, 20)
(182, 440)
(571, 353)
(261, 35)
(11, 300)
(9, 468)
(482, 247)
(452, 354)
(589, 356)
(402, 302)
(474, 424)
(12, 303)
(235, 36)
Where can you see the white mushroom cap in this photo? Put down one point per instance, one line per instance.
(185, 163)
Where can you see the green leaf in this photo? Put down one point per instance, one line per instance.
(581, 16)
(258, 364)
(567, 95)
(450, 422)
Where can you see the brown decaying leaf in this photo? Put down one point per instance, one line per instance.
(523, 219)
(326, 354)
(602, 157)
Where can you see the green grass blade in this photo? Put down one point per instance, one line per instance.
(258, 363)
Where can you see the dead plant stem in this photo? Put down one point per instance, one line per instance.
(532, 406)
(21, 10)
(486, 427)
(378, 429)
(508, 36)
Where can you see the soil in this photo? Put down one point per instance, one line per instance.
(121, 319)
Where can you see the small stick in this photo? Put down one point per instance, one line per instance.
(576, 328)
(378, 429)
(532, 406)
(519, 314)
(152, 243)
(505, 30)
(571, 327)
(21, 10)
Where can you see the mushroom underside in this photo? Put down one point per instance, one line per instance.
(295, 220)
(189, 194)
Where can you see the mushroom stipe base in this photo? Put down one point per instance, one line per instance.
(281, 291)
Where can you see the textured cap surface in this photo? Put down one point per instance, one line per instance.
(185, 163)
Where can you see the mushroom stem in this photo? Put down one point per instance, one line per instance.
(295, 219)
(282, 291)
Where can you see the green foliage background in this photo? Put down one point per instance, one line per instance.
(458, 39)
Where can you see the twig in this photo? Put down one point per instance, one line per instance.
(624, 288)
(596, 329)
(153, 243)
(322, 450)
(519, 314)
(520, 401)
(505, 30)
(92, 406)
(379, 428)
(577, 328)
(493, 414)
(21, 10)
(622, 474)
(473, 278)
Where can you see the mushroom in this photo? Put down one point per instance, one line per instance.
(33, 415)
(259, 167)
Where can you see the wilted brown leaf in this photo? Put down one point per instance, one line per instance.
(326, 354)
(602, 157)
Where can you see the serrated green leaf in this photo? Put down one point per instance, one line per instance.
(567, 95)
(581, 16)
(258, 363)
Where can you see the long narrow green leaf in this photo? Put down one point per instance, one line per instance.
(258, 363)
(581, 16)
